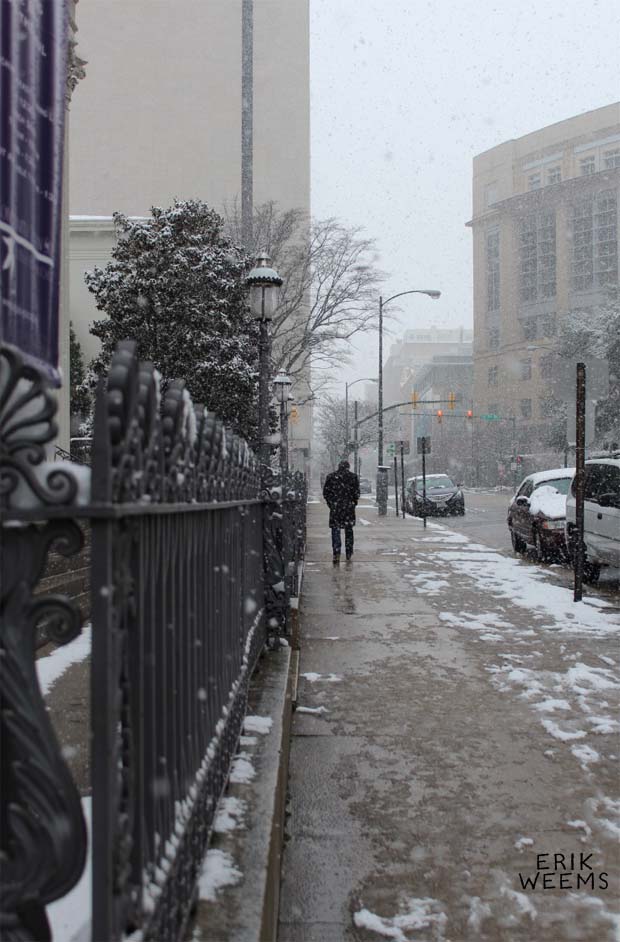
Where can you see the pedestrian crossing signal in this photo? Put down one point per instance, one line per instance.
(439, 416)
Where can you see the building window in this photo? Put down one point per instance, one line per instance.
(494, 338)
(533, 181)
(526, 408)
(526, 368)
(554, 175)
(595, 242)
(537, 260)
(611, 158)
(549, 406)
(493, 270)
(546, 366)
(529, 328)
(490, 194)
(583, 260)
(606, 239)
(587, 165)
(492, 376)
(547, 325)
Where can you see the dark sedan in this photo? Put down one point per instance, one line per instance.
(441, 496)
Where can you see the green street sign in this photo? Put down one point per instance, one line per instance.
(491, 417)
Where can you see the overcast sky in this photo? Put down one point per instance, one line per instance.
(405, 93)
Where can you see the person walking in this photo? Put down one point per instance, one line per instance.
(342, 492)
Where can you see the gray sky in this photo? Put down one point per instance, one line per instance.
(405, 93)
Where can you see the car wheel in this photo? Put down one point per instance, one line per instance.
(591, 572)
(517, 543)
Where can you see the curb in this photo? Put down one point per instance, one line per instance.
(248, 910)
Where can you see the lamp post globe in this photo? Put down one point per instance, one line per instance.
(282, 384)
(264, 284)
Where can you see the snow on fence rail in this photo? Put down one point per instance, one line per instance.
(194, 559)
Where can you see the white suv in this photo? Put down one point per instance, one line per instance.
(601, 524)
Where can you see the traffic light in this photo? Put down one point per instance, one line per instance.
(439, 416)
(414, 398)
(470, 413)
(451, 400)
(519, 459)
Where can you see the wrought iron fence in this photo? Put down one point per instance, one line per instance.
(194, 560)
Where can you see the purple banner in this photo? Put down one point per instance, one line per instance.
(33, 69)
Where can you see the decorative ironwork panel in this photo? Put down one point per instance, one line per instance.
(42, 830)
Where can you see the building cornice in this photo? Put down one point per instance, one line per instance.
(550, 195)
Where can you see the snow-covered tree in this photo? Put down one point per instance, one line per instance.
(79, 403)
(175, 284)
(330, 291)
(596, 333)
(591, 333)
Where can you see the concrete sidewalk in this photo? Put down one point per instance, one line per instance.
(428, 782)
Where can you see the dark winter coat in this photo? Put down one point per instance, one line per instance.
(342, 492)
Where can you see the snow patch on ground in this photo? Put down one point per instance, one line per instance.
(316, 711)
(53, 666)
(257, 724)
(230, 815)
(365, 523)
(523, 842)
(314, 678)
(242, 769)
(422, 913)
(218, 871)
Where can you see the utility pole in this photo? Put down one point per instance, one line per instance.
(380, 393)
(580, 474)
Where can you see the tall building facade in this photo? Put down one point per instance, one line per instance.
(204, 99)
(545, 243)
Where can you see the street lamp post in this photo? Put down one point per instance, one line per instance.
(432, 293)
(282, 384)
(264, 284)
(363, 379)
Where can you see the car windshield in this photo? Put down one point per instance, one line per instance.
(434, 480)
(561, 485)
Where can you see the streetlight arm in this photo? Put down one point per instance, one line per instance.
(430, 293)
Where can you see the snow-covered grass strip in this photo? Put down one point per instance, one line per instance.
(52, 666)
(154, 875)
(315, 711)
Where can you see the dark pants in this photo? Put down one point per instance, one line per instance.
(337, 541)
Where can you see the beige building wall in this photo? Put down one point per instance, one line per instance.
(543, 175)
(158, 116)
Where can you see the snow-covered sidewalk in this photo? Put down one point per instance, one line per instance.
(459, 743)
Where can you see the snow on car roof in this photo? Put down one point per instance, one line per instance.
(539, 476)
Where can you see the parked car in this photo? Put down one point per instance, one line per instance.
(537, 513)
(601, 520)
(442, 496)
(365, 486)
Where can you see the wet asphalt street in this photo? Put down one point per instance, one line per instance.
(457, 718)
